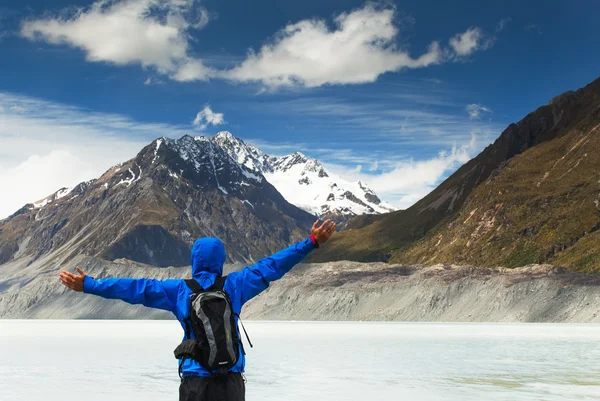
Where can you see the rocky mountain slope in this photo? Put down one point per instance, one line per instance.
(305, 182)
(151, 208)
(332, 291)
(530, 197)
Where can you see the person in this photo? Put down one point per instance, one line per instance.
(207, 256)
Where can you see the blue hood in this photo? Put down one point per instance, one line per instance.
(208, 257)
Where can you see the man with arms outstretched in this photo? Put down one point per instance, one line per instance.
(208, 256)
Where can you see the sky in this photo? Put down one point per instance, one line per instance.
(397, 94)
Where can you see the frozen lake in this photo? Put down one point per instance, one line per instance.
(293, 361)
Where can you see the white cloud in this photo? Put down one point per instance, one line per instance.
(50, 145)
(502, 24)
(153, 81)
(411, 180)
(308, 53)
(476, 111)
(40, 175)
(152, 33)
(157, 33)
(466, 43)
(206, 117)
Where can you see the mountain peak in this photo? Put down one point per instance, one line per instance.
(299, 154)
(225, 135)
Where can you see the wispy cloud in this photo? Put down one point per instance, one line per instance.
(153, 81)
(502, 24)
(46, 146)
(476, 111)
(207, 117)
(383, 124)
(531, 27)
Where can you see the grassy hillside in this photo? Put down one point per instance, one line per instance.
(532, 196)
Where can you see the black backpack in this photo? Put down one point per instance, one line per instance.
(216, 337)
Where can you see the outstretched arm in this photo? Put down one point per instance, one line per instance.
(160, 294)
(254, 279)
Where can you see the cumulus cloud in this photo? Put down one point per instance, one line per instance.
(411, 180)
(466, 43)
(476, 111)
(206, 117)
(152, 33)
(362, 45)
(359, 49)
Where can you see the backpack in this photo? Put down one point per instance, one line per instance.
(212, 320)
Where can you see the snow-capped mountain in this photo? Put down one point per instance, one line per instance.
(304, 182)
(153, 207)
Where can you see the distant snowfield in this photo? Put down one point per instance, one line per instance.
(292, 361)
(304, 182)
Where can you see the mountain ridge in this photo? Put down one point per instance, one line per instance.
(408, 236)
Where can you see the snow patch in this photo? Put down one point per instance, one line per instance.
(127, 181)
(63, 192)
(139, 176)
(158, 143)
(42, 203)
(251, 176)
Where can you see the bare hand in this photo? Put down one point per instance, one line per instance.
(72, 281)
(323, 233)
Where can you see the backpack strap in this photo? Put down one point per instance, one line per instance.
(219, 283)
(194, 286)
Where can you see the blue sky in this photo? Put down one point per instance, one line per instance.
(397, 94)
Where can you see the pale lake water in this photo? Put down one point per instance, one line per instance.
(292, 361)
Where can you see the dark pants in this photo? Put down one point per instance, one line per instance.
(228, 388)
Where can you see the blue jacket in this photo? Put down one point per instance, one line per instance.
(208, 257)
